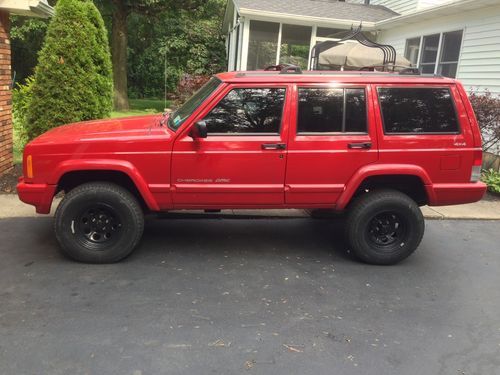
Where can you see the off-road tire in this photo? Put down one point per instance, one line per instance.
(373, 214)
(118, 217)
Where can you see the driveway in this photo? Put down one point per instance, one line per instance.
(263, 296)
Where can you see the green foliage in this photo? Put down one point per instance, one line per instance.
(487, 109)
(491, 178)
(21, 97)
(73, 79)
(189, 41)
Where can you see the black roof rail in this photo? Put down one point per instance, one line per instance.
(284, 69)
(410, 71)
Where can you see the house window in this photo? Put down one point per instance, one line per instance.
(428, 59)
(262, 44)
(450, 52)
(412, 49)
(331, 110)
(295, 42)
(436, 53)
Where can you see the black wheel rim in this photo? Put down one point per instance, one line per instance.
(387, 230)
(97, 226)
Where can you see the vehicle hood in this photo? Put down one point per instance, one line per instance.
(103, 130)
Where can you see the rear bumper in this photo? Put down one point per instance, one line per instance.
(38, 195)
(449, 194)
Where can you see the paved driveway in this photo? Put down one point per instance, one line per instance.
(267, 296)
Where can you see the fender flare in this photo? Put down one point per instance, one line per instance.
(383, 170)
(76, 165)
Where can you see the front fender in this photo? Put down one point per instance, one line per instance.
(123, 166)
(383, 170)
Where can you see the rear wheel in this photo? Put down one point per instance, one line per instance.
(384, 227)
(98, 223)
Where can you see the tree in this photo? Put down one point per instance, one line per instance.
(176, 43)
(120, 11)
(73, 78)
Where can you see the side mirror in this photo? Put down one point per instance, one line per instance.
(199, 130)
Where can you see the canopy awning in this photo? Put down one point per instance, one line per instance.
(353, 55)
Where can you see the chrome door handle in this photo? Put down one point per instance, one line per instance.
(360, 145)
(273, 146)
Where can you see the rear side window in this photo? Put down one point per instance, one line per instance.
(417, 110)
(331, 110)
(248, 110)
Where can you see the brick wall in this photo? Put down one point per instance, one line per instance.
(5, 95)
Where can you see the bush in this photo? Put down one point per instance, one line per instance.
(492, 179)
(187, 86)
(487, 109)
(73, 78)
(21, 97)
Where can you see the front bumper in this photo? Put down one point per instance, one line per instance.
(38, 195)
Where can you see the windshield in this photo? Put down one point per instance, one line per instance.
(180, 115)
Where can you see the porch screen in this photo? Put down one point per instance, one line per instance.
(295, 45)
(263, 44)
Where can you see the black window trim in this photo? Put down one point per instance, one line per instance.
(343, 132)
(378, 87)
(236, 87)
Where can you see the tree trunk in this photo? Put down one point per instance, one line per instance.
(119, 41)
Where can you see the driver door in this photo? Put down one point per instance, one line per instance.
(241, 163)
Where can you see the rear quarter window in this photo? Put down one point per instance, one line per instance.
(412, 110)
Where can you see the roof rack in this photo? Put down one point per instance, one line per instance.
(367, 70)
(284, 69)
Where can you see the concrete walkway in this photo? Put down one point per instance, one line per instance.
(10, 206)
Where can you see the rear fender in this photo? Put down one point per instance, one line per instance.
(382, 170)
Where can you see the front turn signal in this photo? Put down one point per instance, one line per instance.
(29, 166)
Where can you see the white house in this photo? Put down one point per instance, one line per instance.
(455, 38)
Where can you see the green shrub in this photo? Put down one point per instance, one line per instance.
(73, 78)
(21, 98)
(491, 178)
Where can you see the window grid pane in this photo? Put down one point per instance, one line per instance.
(262, 44)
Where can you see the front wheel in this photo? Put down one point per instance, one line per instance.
(98, 222)
(384, 227)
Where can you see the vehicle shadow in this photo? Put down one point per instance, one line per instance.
(253, 237)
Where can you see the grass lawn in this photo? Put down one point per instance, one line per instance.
(140, 107)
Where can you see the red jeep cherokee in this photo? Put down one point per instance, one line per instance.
(375, 145)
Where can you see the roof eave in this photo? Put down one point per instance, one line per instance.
(453, 7)
(298, 19)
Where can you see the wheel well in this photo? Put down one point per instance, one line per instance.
(410, 185)
(73, 179)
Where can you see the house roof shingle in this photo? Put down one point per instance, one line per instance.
(320, 8)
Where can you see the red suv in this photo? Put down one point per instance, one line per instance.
(374, 145)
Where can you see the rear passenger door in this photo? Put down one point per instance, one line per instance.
(332, 135)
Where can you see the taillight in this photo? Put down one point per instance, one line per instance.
(475, 175)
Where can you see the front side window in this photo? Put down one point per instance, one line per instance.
(417, 110)
(177, 118)
(248, 110)
(331, 110)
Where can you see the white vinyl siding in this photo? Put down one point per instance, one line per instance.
(479, 63)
